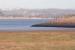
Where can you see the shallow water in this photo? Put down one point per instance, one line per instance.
(25, 24)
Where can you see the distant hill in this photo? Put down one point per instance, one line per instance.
(39, 13)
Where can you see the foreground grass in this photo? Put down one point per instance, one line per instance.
(37, 40)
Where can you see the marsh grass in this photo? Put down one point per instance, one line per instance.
(37, 40)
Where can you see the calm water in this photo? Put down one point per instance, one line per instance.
(14, 25)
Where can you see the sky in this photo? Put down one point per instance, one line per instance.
(37, 4)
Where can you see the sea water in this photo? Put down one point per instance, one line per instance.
(24, 25)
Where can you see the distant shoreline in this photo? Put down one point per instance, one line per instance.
(22, 18)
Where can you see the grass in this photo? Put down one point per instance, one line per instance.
(37, 40)
(66, 21)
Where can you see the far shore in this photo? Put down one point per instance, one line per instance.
(22, 18)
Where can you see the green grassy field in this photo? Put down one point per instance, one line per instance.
(37, 40)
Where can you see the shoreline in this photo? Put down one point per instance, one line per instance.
(42, 31)
(31, 30)
(22, 18)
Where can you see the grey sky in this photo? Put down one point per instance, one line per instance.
(35, 4)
